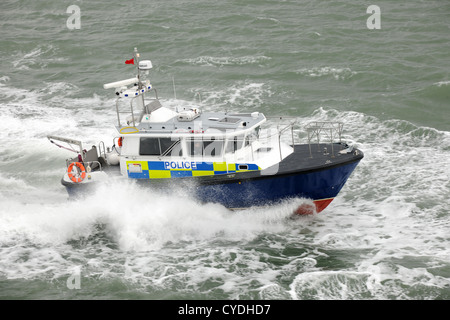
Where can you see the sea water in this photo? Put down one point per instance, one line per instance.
(386, 235)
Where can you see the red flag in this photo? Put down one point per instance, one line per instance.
(131, 61)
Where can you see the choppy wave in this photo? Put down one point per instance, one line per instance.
(384, 237)
(36, 113)
(44, 240)
(268, 19)
(390, 220)
(336, 73)
(442, 83)
(38, 57)
(225, 61)
(242, 94)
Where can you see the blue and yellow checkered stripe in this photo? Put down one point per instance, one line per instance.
(179, 169)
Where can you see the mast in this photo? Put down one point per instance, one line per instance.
(143, 85)
(136, 59)
(140, 84)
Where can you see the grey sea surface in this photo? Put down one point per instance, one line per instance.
(386, 235)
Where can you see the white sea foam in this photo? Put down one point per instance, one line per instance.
(442, 83)
(336, 73)
(241, 94)
(393, 209)
(29, 116)
(392, 212)
(268, 19)
(225, 61)
(40, 57)
(135, 219)
(326, 285)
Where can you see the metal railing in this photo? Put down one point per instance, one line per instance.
(328, 132)
(324, 129)
(131, 110)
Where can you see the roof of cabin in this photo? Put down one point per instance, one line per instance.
(164, 120)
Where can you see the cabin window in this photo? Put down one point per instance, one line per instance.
(212, 148)
(247, 140)
(149, 147)
(234, 144)
(157, 146)
(207, 148)
(176, 150)
(242, 167)
(166, 144)
(195, 147)
(257, 131)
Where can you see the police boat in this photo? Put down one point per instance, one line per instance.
(238, 160)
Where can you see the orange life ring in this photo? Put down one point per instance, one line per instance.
(76, 177)
(119, 142)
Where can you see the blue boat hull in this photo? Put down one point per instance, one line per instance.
(317, 177)
(321, 186)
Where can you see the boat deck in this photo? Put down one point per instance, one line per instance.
(300, 161)
(319, 156)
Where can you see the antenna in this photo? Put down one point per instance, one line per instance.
(136, 58)
(174, 92)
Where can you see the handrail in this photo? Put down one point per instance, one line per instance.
(100, 144)
(140, 95)
(327, 128)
